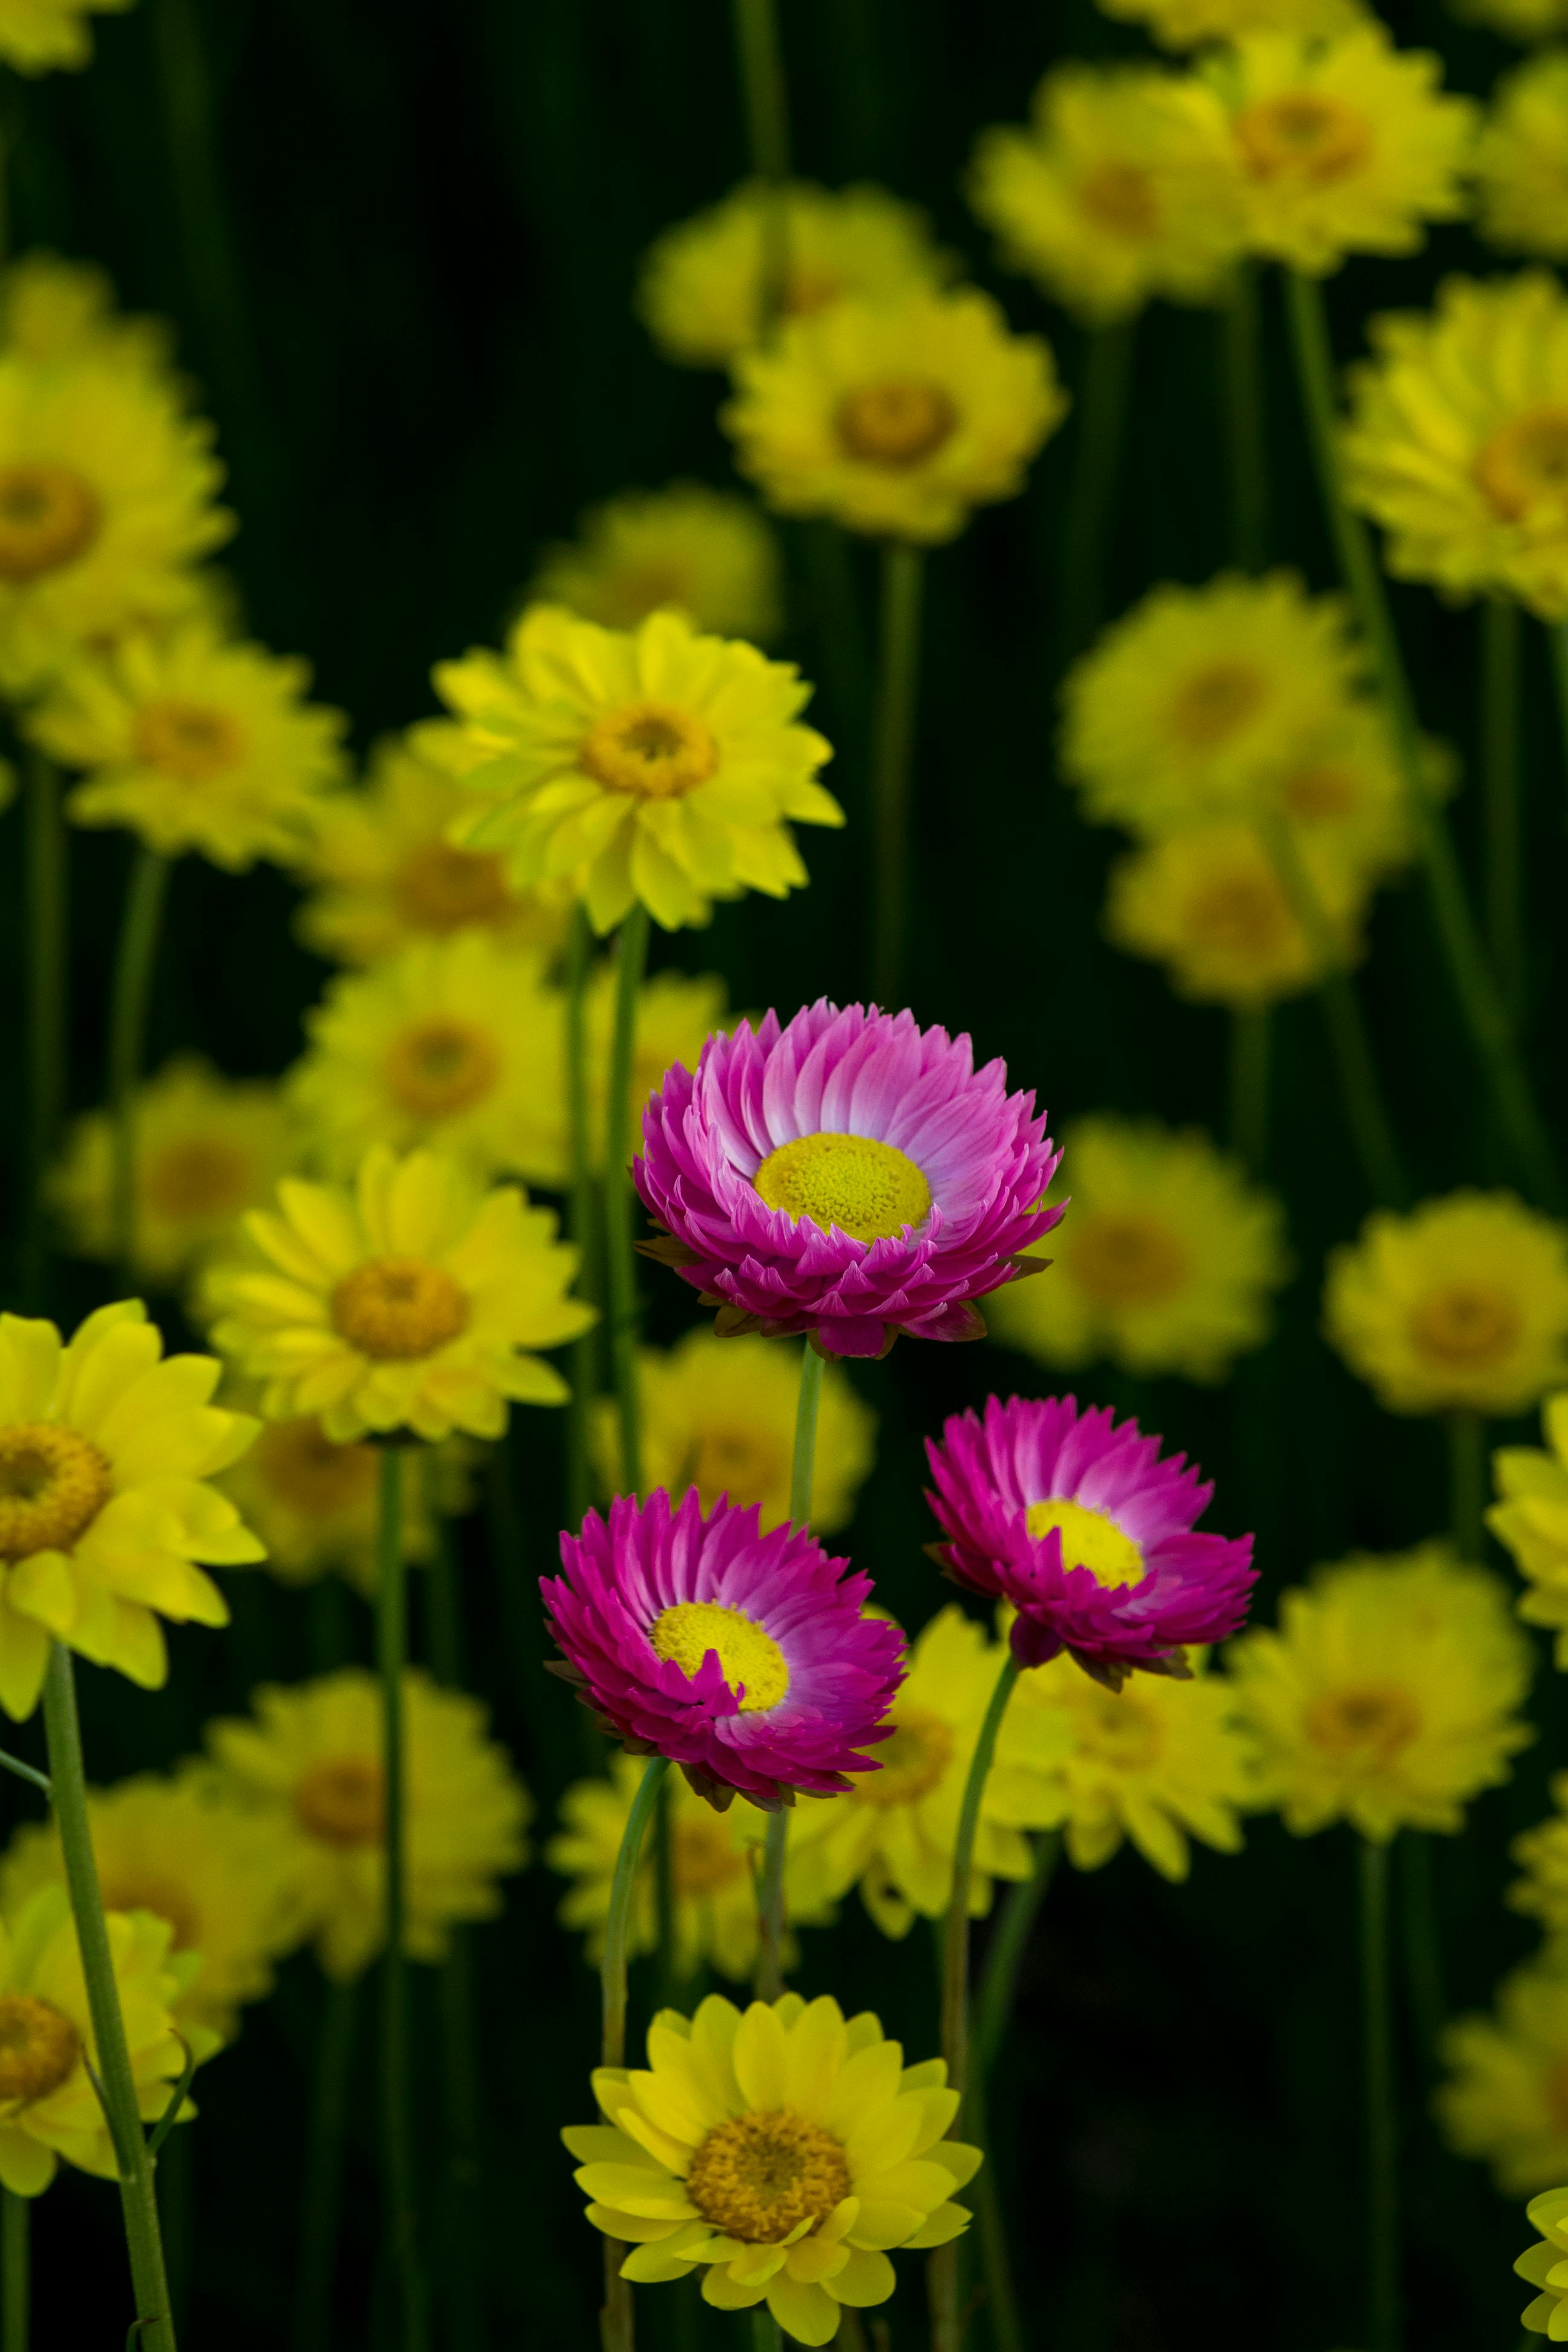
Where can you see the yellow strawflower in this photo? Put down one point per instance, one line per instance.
(208, 1148)
(1388, 1697)
(1542, 1892)
(1522, 161)
(895, 418)
(719, 1415)
(1167, 1262)
(1531, 1520)
(702, 287)
(1187, 23)
(412, 1302)
(1125, 187)
(1544, 2265)
(1462, 1306)
(308, 1767)
(35, 36)
(708, 553)
(56, 310)
(781, 2153)
(1506, 2098)
(1209, 906)
(654, 765)
(1457, 441)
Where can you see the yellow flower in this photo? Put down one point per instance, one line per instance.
(207, 1871)
(408, 1303)
(895, 418)
(1531, 1520)
(653, 764)
(308, 1767)
(1387, 1697)
(707, 552)
(51, 2107)
(780, 2153)
(208, 1148)
(1545, 2266)
(1522, 161)
(719, 1415)
(1506, 2099)
(1125, 186)
(893, 1834)
(55, 310)
(1186, 24)
(1462, 1306)
(35, 35)
(106, 1452)
(1542, 1892)
(1167, 1264)
(1458, 443)
(700, 294)
(1209, 906)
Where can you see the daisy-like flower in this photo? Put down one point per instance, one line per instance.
(107, 1452)
(36, 36)
(1125, 187)
(850, 1175)
(1167, 1263)
(1522, 161)
(55, 310)
(1075, 1521)
(1209, 906)
(1457, 441)
(1531, 1520)
(1461, 1306)
(1388, 1695)
(309, 1768)
(718, 1415)
(1505, 2097)
(743, 1657)
(413, 1302)
(704, 282)
(895, 418)
(1542, 1892)
(654, 765)
(1546, 2265)
(706, 553)
(208, 1148)
(783, 2153)
(1188, 24)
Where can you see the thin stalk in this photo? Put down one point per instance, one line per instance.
(1467, 1484)
(1381, 2142)
(1481, 1006)
(15, 2271)
(620, 1263)
(664, 1894)
(1249, 1075)
(802, 1462)
(133, 964)
(396, 2076)
(47, 986)
(138, 2194)
(769, 1981)
(579, 1213)
(1002, 2314)
(314, 2330)
(764, 96)
(615, 2319)
(765, 2333)
(992, 2005)
(1241, 374)
(1501, 648)
(1424, 1943)
(892, 761)
(1103, 391)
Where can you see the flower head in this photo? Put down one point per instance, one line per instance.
(1505, 2097)
(1386, 1698)
(895, 418)
(55, 310)
(741, 1656)
(1075, 1521)
(780, 2153)
(849, 1174)
(35, 36)
(1209, 905)
(705, 553)
(1522, 161)
(1531, 1520)
(649, 765)
(1187, 23)
(1546, 2265)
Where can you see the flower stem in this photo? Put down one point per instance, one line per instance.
(134, 963)
(580, 1212)
(664, 1894)
(1101, 401)
(892, 759)
(803, 1463)
(775, 1845)
(1467, 1484)
(323, 2173)
(1480, 1001)
(15, 2271)
(1241, 371)
(764, 96)
(615, 2319)
(396, 2085)
(1250, 1026)
(765, 2335)
(138, 2196)
(1382, 2146)
(620, 1263)
(955, 1942)
(48, 985)
(1001, 2300)
(1004, 1956)
(1501, 646)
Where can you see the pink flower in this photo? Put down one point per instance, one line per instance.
(743, 1657)
(1079, 1525)
(851, 1174)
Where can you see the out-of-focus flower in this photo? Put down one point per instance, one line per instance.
(1506, 2098)
(1542, 1892)
(56, 310)
(1531, 1520)
(706, 553)
(1546, 2265)
(1520, 20)
(36, 36)
(1188, 24)
(1209, 904)
(1522, 161)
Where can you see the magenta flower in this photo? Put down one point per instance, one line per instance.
(850, 1175)
(1079, 1525)
(743, 1657)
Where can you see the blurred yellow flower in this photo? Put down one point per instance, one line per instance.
(1462, 1306)
(1125, 187)
(37, 35)
(654, 765)
(1544, 2265)
(701, 291)
(719, 1415)
(408, 1303)
(1209, 906)
(1388, 1697)
(1522, 161)
(707, 552)
(1506, 2098)
(1531, 1520)
(308, 1767)
(1167, 1262)
(1520, 20)
(56, 310)
(1186, 24)
(897, 419)
(1542, 1892)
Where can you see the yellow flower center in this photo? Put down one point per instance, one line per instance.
(170, 1904)
(342, 1800)
(810, 290)
(1317, 796)
(1304, 134)
(1375, 1722)
(1242, 914)
(746, 1464)
(40, 2048)
(913, 1758)
(1090, 1540)
(1121, 1258)
(758, 2177)
(749, 1657)
(653, 750)
(439, 1066)
(1116, 1730)
(897, 422)
(189, 740)
(1525, 465)
(1214, 701)
(305, 1470)
(395, 1308)
(1119, 198)
(868, 1189)
(704, 1857)
(53, 1484)
(440, 887)
(201, 1177)
(48, 516)
(1468, 1325)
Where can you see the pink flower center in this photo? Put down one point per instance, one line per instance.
(1089, 1539)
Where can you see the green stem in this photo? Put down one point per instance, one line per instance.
(1002, 2313)
(615, 2319)
(620, 1263)
(1382, 2144)
(1424, 1944)
(769, 1981)
(133, 964)
(992, 2005)
(15, 2271)
(1501, 647)
(138, 2195)
(764, 96)
(803, 1463)
(892, 760)
(324, 2175)
(1241, 369)
(1102, 401)
(463, 2267)
(578, 1212)
(48, 985)
(664, 1894)
(1467, 1484)
(1250, 1026)
(765, 2333)
(396, 2082)
(1480, 1001)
